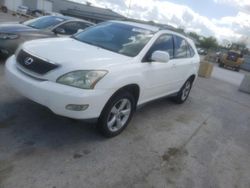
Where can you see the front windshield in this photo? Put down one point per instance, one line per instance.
(117, 37)
(44, 22)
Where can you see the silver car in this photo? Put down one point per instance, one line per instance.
(13, 34)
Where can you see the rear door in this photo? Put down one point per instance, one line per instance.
(183, 61)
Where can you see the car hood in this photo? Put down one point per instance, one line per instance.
(71, 53)
(14, 27)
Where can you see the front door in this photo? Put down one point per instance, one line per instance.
(160, 78)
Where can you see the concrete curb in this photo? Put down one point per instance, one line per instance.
(245, 84)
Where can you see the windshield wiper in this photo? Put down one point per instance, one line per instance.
(31, 26)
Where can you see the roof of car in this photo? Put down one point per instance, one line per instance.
(143, 26)
(67, 18)
(153, 27)
(235, 51)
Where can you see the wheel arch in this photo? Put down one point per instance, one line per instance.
(192, 78)
(134, 89)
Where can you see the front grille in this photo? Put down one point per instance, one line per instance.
(34, 64)
(232, 56)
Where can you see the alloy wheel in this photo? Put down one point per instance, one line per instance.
(119, 115)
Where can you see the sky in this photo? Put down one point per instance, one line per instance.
(227, 20)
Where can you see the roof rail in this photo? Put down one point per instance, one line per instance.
(159, 25)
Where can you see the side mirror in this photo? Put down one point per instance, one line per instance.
(59, 30)
(160, 56)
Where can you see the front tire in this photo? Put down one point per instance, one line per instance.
(183, 94)
(116, 114)
(237, 69)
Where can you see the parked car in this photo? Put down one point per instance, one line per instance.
(232, 59)
(105, 72)
(22, 10)
(202, 51)
(13, 34)
(3, 8)
(38, 13)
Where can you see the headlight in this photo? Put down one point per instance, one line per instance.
(10, 36)
(83, 79)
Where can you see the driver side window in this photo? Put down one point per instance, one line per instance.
(163, 43)
(70, 28)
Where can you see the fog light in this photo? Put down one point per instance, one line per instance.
(77, 107)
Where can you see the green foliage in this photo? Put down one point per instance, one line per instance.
(204, 42)
(194, 35)
(209, 43)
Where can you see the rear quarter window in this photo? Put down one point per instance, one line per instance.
(182, 48)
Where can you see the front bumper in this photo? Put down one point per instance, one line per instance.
(57, 96)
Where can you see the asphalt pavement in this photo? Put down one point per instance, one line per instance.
(203, 143)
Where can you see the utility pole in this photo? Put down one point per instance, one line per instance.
(129, 6)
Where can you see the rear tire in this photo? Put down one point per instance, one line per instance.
(116, 114)
(183, 94)
(4, 9)
(237, 69)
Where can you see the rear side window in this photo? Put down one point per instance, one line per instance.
(83, 25)
(182, 49)
(163, 43)
(191, 51)
(71, 28)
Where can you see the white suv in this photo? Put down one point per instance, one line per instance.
(105, 72)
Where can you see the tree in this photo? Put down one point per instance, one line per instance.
(208, 43)
(238, 46)
(194, 35)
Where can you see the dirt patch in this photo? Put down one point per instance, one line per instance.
(173, 160)
(5, 170)
(77, 156)
(86, 152)
(25, 152)
(7, 122)
(80, 155)
(29, 143)
(184, 118)
(173, 152)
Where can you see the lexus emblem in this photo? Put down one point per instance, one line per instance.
(28, 60)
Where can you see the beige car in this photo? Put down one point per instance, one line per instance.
(14, 34)
(232, 59)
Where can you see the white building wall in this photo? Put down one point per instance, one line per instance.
(45, 5)
(13, 4)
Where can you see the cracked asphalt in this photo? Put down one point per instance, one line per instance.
(202, 143)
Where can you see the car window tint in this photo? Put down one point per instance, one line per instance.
(181, 48)
(163, 43)
(121, 38)
(191, 51)
(83, 25)
(44, 22)
(71, 28)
